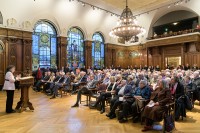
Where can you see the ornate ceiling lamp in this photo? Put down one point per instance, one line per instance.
(127, 26)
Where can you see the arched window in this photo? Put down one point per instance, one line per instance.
(75, 48)
(44, 47)
(98, 50)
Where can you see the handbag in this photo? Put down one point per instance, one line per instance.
(168, 122)
(188, 103)
(98, 107)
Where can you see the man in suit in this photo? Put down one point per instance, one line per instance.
(83, 79)
(42, 81)
(196, 86)
(50, 85)
(59, 84)
(123, 90)
(86, 89)
(194, 68)
(187, 67)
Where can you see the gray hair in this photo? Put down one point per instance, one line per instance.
(196, 74)
(165, 84)
(144, 82)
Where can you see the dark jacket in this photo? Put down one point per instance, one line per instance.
(46, 78)
(56, 78)
(163, 97)
(179, 90)
(144, 92)
(62, 80)
(83, 79)
(92, 85)
(127, 91)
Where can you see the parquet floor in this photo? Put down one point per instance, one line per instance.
(57, 116)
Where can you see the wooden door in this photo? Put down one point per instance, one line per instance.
(2, 63)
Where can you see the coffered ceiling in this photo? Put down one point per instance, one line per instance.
(136, 5)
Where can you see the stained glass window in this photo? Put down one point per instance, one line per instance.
(44, 50)
(98, 50)
(75, 48)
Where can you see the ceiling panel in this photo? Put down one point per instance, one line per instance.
(135, 5)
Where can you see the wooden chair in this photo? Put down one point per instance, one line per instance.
(62, 89)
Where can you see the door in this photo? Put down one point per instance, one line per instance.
(173, 61)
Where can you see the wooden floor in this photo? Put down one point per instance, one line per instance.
(57, 116)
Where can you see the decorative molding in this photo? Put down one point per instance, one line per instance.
(27, 25)
(27, 42)
(13, 40)
(174, 40)
(12, 22)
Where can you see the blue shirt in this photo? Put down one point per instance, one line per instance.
(144, 93)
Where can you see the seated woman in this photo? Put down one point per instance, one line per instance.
(188, 86)
(104, 95)
(154, 110)
(176, 88)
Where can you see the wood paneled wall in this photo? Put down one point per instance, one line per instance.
(188, 52)
(17, 47)
(120, 55)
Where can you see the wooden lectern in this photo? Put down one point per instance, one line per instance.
(25, 83)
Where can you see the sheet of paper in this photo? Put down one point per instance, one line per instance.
(121, 98)
(151, 104)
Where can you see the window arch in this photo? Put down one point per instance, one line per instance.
(98, 50)
(75, 48)
(44, 46)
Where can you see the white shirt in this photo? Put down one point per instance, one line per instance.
(9, 85)
(121, 91)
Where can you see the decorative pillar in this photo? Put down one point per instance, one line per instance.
(62, 51)
(183, 48)
(88, 53)
(27, 55)
(163, 64)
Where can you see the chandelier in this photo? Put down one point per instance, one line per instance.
(127, 26)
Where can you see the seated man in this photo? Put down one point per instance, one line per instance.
(85, 90)
(58, 84)
(42, 81)
(143, 91)
(46, 85)
(196, 86)
(125, 90)
(50, 84)
(83, 79)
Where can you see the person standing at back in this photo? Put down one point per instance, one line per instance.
(9, 86)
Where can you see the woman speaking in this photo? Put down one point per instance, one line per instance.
(9, 86)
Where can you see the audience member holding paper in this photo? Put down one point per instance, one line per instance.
(154, 110)
(141, 93)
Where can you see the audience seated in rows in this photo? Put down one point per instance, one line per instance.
(127, 89)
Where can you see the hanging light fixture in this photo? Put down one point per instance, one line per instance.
(127, 26)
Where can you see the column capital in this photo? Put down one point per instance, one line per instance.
(62, 41)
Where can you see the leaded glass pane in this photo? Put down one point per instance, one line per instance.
(75, 48)
(44, 45)
(98, 50)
